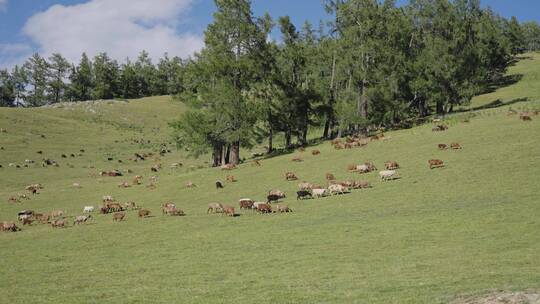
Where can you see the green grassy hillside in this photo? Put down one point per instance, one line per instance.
(467, 228)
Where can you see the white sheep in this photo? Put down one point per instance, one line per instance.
(388, 175)
(88, 209)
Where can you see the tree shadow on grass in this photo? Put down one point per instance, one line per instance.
(494, 104)
(502, 82)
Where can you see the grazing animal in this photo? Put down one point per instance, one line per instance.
(175, 212)
(351, 167)
(81, 219)
(391, 165)
(256, 163)
(137, 180)
(59, 223)
(131, 205)
(43, 218)
(155, 168)
(366, 167)
(214, 208)
(330, 176)
(231, 178)
(388, 175)
(228, 167)
(278, 193)
(14, 199)
(315, 152)
(166, 206)
(297, 159)
(264, 208)
(190, 185)
(219, 185)
(281, 208)
(525, 116)
(124, 185)
(107, 199)
(144, 213)
(303, 194)
(88, 209)
(435, 163)
(290, 176)
(455, 146)
(228, 210)
(443, 147)
(272, 198)
(439, 128)
(339, 146)
(57, 213)
(301, 149)
(119, 216)
(246, 203)
(305, 186)
(320, 192)
(337, 189)
(9, 226)
(34, 189)
(361, 185)
(27, 221)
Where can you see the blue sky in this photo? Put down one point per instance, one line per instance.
(123, 27)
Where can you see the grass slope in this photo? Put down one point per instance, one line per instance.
(466, 228)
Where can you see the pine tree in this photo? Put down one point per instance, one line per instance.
(37, 68)
(106, 77)
(7, 89)
(58, 69)
(82, 80)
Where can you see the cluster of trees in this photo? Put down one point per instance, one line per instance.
(374, 64)
(42, 81)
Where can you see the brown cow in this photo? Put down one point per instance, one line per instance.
(144, 213)
(231, 178)
(173, 211)
(391, 165)
(330, 177)
(443, 147)
(119, 216)
(315, 152)
(290, 176)
(435, 163)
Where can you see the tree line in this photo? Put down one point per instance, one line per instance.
(41, 81)
(373, 64)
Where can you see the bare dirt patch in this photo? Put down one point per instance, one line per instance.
(502, 297)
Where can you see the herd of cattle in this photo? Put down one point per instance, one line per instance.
(58, 218)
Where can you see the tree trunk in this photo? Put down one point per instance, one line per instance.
(270, 140)
(440, 108)
(326, 127)
(216, 155)
(235, 153)
(288, 138)
(304, 136)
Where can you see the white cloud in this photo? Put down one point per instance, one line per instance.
(12, 54)
(122, 28)
(3, 5)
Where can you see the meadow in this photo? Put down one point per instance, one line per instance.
(428, 237)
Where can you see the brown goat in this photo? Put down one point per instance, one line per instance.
(290, 176)
(228, 210)
(231, 178)
(144, 213)
(455, 146)
(315, 152)
(119, 216)
(281, 208)
(264, 208)
(60, 223)
(443, 146)
(330, 176)
(246, 203)
(391, 165)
